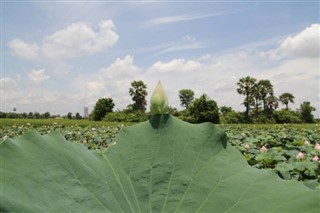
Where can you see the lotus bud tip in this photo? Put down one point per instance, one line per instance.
(159, 101)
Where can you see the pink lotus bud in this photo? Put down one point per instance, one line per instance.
(307, 143)
(300, 155)
(85, 142)
(247, 146)
(315, 158)
(263, 149)
(317, 146)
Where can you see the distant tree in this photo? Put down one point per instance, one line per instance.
(69, 115)
(224, 110)
(204, 109)
(14, 109)
(46, 115)
(78, 116)
(272, 103)
(30, 115)
(186, 96)
(138, 92)
(285, 98)
(36, 115)
(265, 89)
(24, 115)
(101, 108)
(287, 116)
(3, 114)
(232, 117)
(246, 87)
(306, 112)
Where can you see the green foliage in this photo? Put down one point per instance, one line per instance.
(306, 112)
(286, 98)
(186, 97)
(246, 87)
(149, 168)
(125, 116)
(287, 116)
(204, 109)
(94, 135)
(138, 92)
(101, 108)
(232, 117)
(288, 150)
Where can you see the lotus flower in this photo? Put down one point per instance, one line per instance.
(159, 101)
(315, 158)
(317, 146)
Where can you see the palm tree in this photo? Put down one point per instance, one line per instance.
(265, 90)
(138, 92)
(272, 103)
(246, 87)
(285, 98)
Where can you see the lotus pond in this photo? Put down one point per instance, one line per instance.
(291, 151)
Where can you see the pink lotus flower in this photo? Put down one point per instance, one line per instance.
(315, 158)
(307, 143)
(317, 146)
(263, 149)
(300, 155)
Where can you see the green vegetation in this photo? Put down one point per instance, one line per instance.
(284, 141)
(102, 107)
(138, 92)
(158, 165)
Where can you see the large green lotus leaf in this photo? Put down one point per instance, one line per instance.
(162, 165)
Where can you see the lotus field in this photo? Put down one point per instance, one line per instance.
(291, 151)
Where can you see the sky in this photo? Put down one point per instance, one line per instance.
(59, 56)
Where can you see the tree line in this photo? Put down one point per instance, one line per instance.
(261, 106)
(37, 115)
(260, 103)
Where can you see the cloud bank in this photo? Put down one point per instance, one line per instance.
(73, 41)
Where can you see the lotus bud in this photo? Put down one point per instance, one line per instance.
(159, 101)
(263, 149)
(300, 155)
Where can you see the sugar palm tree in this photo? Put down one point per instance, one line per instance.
(138, 92)
(285, 98)
(246, 87)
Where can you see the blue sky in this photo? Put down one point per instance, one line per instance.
(60, 56)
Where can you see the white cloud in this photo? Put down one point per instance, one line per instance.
(72, 41)
(38, 76)
(304, 44)
(121, 68)
(111, 81)
(79, 38)
(186, 43)
(175, 66)
(8, 83)
(181, 18)
(23, 49)
(194, 16)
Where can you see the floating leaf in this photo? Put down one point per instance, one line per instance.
(162, 165)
